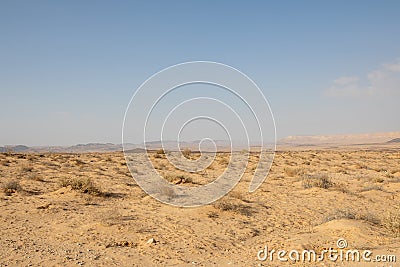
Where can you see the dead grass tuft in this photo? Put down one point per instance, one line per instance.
(26, 169)
(178, 179)
(160, 152)
(11, 187)
(187, 153)
(340, 214)
(321, 180)
(228, 205)
(371, 187)
(350, 214)
(84, 185)
(392, 222)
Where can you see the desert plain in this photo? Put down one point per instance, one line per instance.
(72, 209)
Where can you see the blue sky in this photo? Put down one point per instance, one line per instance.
(69, 68)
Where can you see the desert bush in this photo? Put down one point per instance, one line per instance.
(372, 187)
(342, 188)
(392, 222)
(228, 205)
(35, 177)
(350, 214)
(161, 166)
(158, 156)
(178, 179)
(213, 215)
(340, 214)
(187, 153)
(84, 185)
(160, 152)
(369, 217)
(224, 160)
(26, 168)
(320, 180)
(6, 162)
(11, 187)
(379, 180)
(79, 162)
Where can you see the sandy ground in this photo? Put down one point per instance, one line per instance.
(52, 215)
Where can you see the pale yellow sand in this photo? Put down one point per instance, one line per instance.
(43, 223)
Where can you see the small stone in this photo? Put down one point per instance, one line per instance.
(151, 241)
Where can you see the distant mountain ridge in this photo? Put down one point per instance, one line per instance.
(309, 140)
(80, 148)
(340, 139)
(110, 147)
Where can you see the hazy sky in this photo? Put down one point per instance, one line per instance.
(69, 68)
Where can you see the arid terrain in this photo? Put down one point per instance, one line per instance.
(64, 209)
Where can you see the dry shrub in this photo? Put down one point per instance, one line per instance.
(160, 166)
(79, 162)
(160, 152)
(187, 153)
(372, 187)
(178, 179)
(342, 188)
(224, 160)
(350, 214)
(379, 180)
(35, 177)
(320, 180)
(213, 215)
(11, 187)
(26, 169)
(84, 185)
(392, 222)
(340, 214)
(228, 205)
(158, 156)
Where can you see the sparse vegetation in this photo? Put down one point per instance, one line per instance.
(160, 152)
(187, 153)
(379, 180)
(79, 162)
(26, 169)
(84, 185)
(178, 179)
(213, 215)
(372, 187)
(160, 166)
(80, 212)
(340, 214)
(229, 205)
(320, 180)
(35, 177)
(350, 214)
(392, 221)
(224, 160)
(11, 187)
